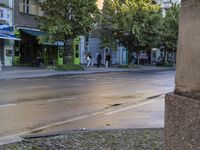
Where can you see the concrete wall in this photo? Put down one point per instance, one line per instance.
(188, 70)
(182, 113)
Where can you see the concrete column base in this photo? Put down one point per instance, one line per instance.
(182, 123)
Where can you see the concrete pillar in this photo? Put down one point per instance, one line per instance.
(182, 108)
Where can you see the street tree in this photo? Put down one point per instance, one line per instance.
(135, 24)
(64, 20)
(170, 30)
(106, 26)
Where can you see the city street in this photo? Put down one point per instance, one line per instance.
(90, 101)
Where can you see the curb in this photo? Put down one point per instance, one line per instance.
(53, 73)
(64, 132)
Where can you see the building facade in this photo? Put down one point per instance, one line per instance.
(28, 51)
(6, 35)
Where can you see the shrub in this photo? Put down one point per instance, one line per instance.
(69, 67)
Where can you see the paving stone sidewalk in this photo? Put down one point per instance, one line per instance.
(122, 139)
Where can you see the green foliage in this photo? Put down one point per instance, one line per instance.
(136, 24)
(170, 28)
(165, 65)
(66, 19)
(106, 30)
(69, 67)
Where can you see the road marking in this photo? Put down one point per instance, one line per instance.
(142, 91)
(108, 78)
(62, 99)
(91, 79)
(7, 105)
(70, 120)
(130, 107)
(57, 124)
(16, 137)
(110, 94)
(105, 82)
(36, 87)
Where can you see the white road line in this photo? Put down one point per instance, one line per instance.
(37, 87)
(108, 78)
(140, 91)
(16, 137)
(127, 108)
(7, 105)
(58, 123)
(62, 99)
(105, 82)
(110, 94)
(91, 79)
(70, 120)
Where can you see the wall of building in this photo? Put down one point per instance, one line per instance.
(6, 12)
(23, 19)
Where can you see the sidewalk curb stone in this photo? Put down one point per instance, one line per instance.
(36, 73)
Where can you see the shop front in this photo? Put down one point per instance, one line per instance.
(30, 53)
(7, 39)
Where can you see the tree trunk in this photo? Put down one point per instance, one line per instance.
(129, 56)
(165, 52)
(149, 56)
(65, 51)
(138, 59)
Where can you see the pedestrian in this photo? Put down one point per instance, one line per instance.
(98, 56)
(89, 59)
(108, 59)
(85, 59)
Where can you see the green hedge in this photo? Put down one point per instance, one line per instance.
(69, 67)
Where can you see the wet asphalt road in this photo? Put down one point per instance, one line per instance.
(93, 101)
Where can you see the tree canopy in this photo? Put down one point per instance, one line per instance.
(67, 19)
(170, 28)
(136, 24)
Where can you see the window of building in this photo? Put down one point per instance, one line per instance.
(26, 6)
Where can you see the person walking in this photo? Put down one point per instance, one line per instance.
(89, 59)
(108, 58)
(98, 59)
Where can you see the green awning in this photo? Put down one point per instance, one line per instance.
(34, 33)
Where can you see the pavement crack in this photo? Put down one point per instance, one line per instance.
(113, 105)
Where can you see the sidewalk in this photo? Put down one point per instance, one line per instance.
(117, 139)
(28, 72)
